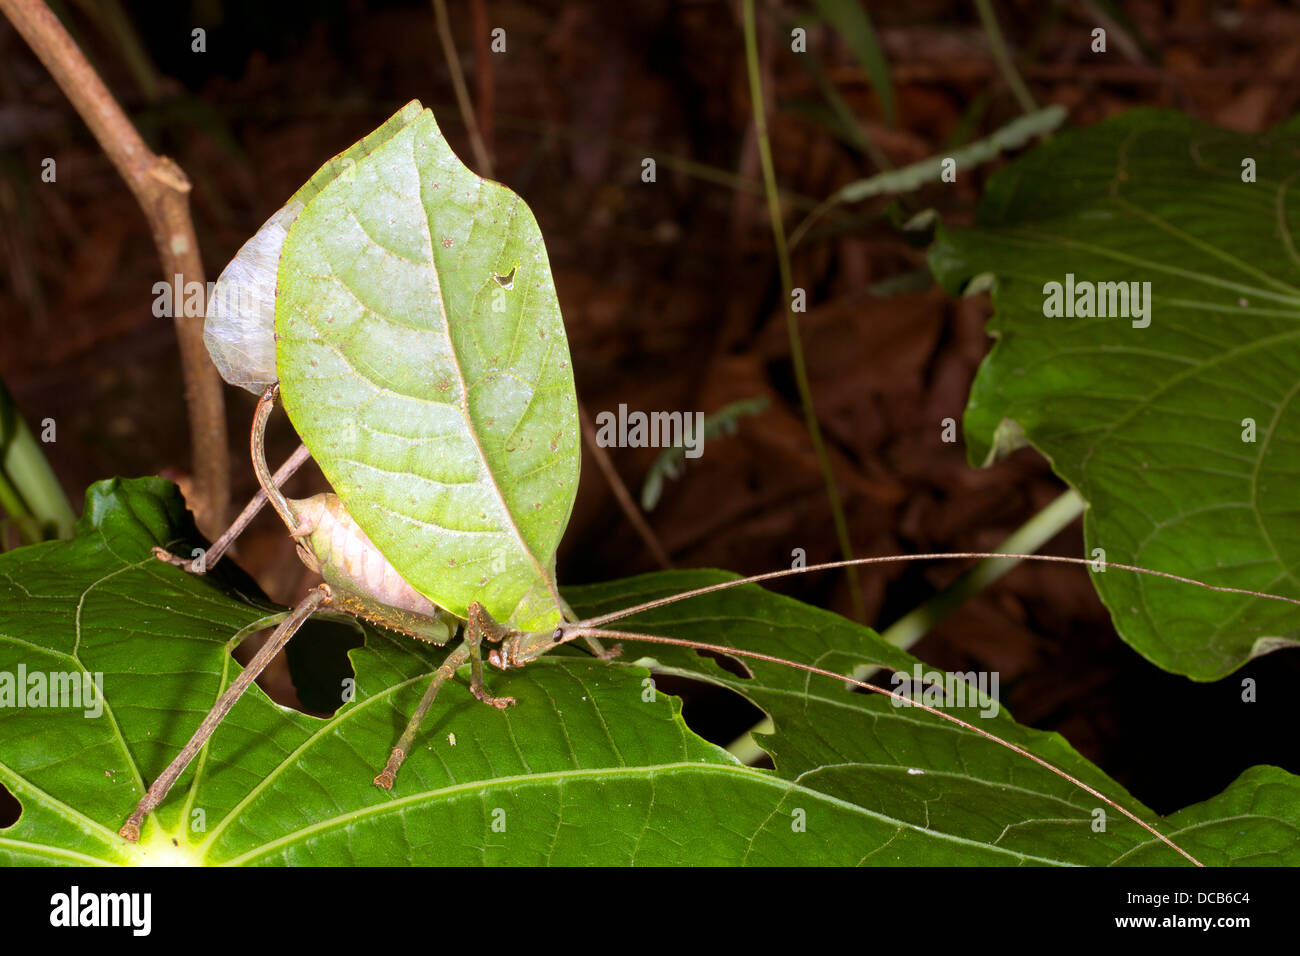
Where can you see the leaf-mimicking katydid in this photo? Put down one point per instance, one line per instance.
(402, 308)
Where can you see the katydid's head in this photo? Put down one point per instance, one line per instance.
(519, 648)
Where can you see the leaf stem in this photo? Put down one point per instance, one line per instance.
(1028, 538)
(1002, 56)
(792, 322)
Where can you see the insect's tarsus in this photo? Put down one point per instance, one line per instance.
(219, 547)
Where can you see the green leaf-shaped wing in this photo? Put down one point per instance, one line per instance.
(423, 360)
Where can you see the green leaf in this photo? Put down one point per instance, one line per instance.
(587, 767)
(1148, 423)
(424, 362)
(582, 769)
(944, 795)
(344, 161)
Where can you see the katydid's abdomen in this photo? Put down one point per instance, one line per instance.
(348, 560)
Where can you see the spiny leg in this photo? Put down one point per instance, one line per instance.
(479, 626)
(219, 547)
(280, 637)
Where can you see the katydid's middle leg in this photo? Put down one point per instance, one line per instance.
(212, 555)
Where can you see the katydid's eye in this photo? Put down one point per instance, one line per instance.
(558, 635)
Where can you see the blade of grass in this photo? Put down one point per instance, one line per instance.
(850, 20)
(909, 178)
(30, 492)
(1003, 56)
(1026, 539)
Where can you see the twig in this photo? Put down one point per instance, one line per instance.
(462, 92)
(792, 321)
(621, 494)
(162, 190)
(485, 89)
(1003, 56)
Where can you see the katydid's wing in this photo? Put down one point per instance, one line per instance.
(239, 330)
(423, 360)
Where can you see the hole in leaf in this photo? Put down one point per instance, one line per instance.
(10, 808)
(309, 674)
(506, 281)
(318, 665)
(718, 714)
(732, 665)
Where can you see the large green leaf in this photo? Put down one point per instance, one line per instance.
(423, 360)
(588, 767)
(974, 800)
(1148, 423)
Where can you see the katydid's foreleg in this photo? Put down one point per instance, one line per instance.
(212, 555)
(479, 626)
(451, 663)
(279, 638)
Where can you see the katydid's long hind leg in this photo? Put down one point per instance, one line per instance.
(219, 547)
(257, 449)
(158, 791)
(444, 673)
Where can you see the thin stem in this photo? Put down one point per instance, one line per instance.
(162, 190)
(462, 92)
(900, 698)
(621, 494)
(1003, 56)
(1028, 538)
(792, 321)
(279, 638)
